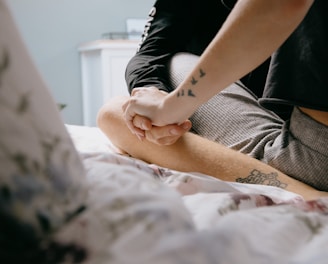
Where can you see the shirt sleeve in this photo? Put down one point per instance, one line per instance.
(166, 32)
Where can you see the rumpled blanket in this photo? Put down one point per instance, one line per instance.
(142, 213)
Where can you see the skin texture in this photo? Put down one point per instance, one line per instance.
(247, 24)
(165, 135)
(192, 153)
(142, 115)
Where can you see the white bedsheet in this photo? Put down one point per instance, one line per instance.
(141, 213)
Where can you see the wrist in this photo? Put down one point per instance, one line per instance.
(178, 108)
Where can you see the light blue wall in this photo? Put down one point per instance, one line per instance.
(53, 30)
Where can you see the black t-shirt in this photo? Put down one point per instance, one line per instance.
(297, 76)
(298, 72)
(181, 26)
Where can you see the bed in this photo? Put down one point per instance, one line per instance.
(157, 215)
(67, 195)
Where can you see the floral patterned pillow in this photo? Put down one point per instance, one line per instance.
(42, 179)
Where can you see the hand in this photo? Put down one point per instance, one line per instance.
(146, 102)
(166, 135)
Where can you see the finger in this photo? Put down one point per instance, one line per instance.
(129, 116)
(171, 130)
(165, 131)
(164, 141)
(136, 131)
(136, 90)
(167, 135)
(142, 122)
(186, 125)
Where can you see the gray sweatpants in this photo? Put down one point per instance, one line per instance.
(234, 118)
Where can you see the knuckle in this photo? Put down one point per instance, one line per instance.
(136, 121)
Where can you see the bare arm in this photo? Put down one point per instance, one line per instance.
(253, 31)
(192, 153)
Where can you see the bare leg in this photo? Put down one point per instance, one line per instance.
(192, 153)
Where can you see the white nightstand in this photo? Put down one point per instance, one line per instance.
(103, 64)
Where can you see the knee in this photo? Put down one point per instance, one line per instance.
(108, 113)
(110, 118)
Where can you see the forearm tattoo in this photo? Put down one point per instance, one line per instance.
(257, 177)
(189, 93)
(193, 82)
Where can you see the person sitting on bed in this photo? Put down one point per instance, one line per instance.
(241, 137)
